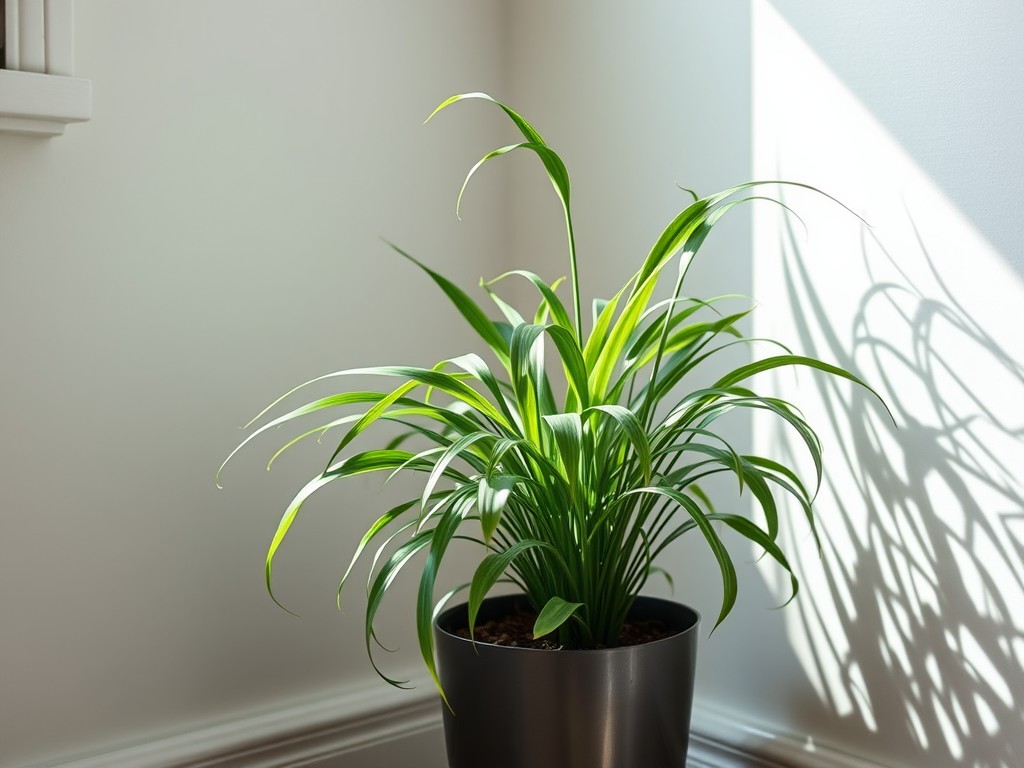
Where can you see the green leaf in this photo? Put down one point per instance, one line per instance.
(786, 479)
(633, 430)
(749, 530)
(745, 472)
(346, 398)
(557, 174)
(687, 336)
(528, 131)
(725, 564)
(549, 298)
(480, 323)
(646, 336)
(524, 384)
(553, 615)
(490, 570)
(432, 378)
(379, 525)
(387, 574)
(493, 493)
(369, 461)
(575, 498)
(475, 366)
(572, 362)
(511, 313)
(567, 429)
(440, 604)
(442, 536)
(452, 452)
(781, 361)
(677, 234)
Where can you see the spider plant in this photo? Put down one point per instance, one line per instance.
(572, 498)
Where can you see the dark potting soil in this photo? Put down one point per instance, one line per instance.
(516, 631)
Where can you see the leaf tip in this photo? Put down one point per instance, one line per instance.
(437, 109)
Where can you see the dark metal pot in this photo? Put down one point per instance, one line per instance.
(526, 708)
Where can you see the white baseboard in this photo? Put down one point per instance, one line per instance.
(719, 739)
(375, 726)
(362, 726)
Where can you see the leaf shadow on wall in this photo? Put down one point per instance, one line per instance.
(924, 548)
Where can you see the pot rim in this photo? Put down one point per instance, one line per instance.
(622, 649)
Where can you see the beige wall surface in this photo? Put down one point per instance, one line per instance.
(906, 646)
(208, 240)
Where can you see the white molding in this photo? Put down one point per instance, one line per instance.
(38, 96)
(305, 733)
(12, 35)
(720, 739)
(32, 56)
(357, 719)
(59, 17)
(36, 104)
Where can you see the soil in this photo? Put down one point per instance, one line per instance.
(516, 631)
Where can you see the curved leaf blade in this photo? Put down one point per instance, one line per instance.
(493, 493)
(553, 615)
(490, 570)
(725, 564)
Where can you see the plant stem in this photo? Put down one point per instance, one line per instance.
(578, 317)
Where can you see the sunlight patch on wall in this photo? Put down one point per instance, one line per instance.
(913, 622)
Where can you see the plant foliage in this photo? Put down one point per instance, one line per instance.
(573, 498)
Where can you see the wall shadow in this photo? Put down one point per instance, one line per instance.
(947, 85)
(925, 558)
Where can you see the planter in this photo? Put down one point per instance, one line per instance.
(524, 708)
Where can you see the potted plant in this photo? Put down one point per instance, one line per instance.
(572, 485)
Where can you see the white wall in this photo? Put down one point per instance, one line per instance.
(909, 642)
(208, 240)
(636, 98)
(905, 647)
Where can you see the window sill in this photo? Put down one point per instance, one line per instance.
(41, 105)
